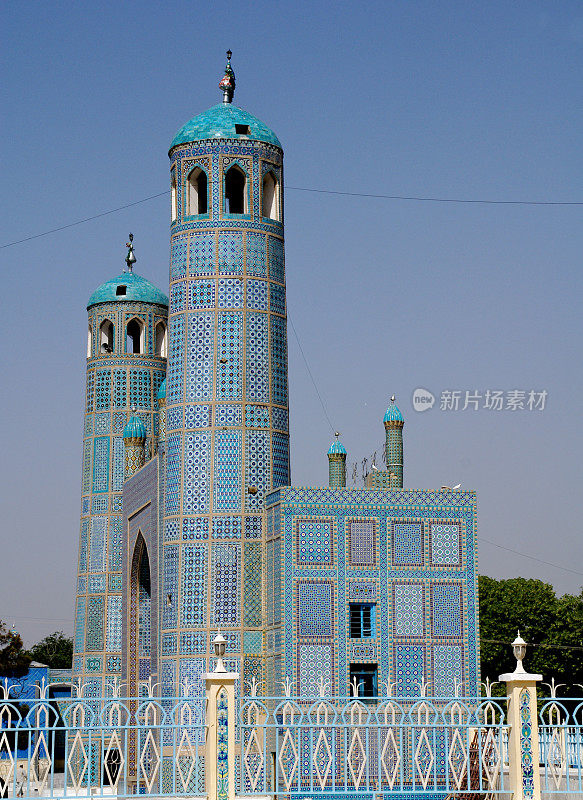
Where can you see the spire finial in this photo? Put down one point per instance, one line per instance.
(227, 83)
(392, 398)
(337, 434)
(130, 258)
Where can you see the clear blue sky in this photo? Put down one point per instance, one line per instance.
(450, 99)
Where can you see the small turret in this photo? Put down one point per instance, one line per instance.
(134, 437)
(393, 422)
(337, 464)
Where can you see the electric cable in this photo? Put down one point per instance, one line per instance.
(396, 197)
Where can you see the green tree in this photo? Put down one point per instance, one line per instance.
(55, 650)
(564, 655)
(14, 660)
(552, 627)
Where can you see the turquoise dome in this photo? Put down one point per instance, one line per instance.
(162, 391)
(134, 429)
(219, 123)
(337, 448)
(393, 414)
(136, 289)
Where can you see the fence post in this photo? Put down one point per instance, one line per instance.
(523, 747)
(220, 723)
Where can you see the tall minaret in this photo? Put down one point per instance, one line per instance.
(126, 363)
(227, 440)
(393, 422)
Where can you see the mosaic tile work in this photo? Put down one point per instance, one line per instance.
(194, 565)
(446, 609)
(228, 355)
(448, 669)
(445, 543)
(227, 471)
(361, 543)
(314, 609)
(408, 610)
(409, 669)
(407, 544)
(116, 380)
(225, 584)
(419, 607)
(315, 660)
(314, 541)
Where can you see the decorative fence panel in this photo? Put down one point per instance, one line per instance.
(560, 730)
(300, 746)
(102, 746)
(290, 746)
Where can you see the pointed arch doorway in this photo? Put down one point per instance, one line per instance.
(140, 617)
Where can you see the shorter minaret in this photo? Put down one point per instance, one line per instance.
(393, 422)
(337, 464)
(134, 439)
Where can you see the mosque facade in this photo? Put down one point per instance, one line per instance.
(189, 522)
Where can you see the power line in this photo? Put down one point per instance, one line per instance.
(310, 373)
(81, 221)
(396, 197)
(526, 555)
(421, 199)
(536, 644)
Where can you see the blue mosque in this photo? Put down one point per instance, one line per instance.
(189, 521)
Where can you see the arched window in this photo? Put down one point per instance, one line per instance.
(270, 196)
(106, 337)
(173, 198)
(89, 342)
(135, 336)
(235, 191)
(197, 189)
(161, 340)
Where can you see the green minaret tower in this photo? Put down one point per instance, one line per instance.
(393, 422)
(337, 464)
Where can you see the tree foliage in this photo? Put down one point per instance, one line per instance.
(55, 650)
(14, 660)
(552, 627)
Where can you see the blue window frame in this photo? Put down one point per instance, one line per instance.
(362, 620)
(365, 676)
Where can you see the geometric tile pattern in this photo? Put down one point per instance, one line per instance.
(361, 538)
(417, 605)
(314, 541)
(315, 660)
(447, 669)
(446, 609)
(409, 668)
(228, 352)
(408, 610)
(407, 544)
(225, 584)
(445, 543)
(116, 380)
(314, 609)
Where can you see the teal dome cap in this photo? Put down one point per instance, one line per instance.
(162, 391)
(136, 289)
(134, 429)
(219, 121)
(392, 413)
(336, 448)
